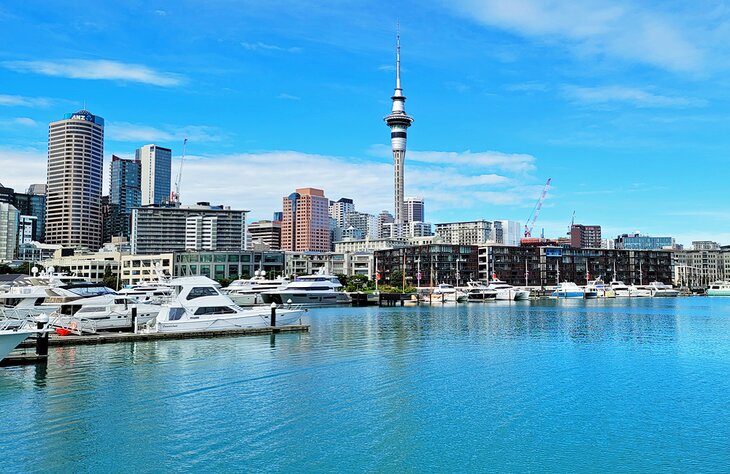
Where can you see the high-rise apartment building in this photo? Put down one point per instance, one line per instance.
(125, 193)
(8, 231)
(75, 167)
(366, 224)
(32, 204)
(384, 218)
(305, 221)
(156, 173)
(267, 233)
(585, 236)
(414, 209)
(339, 209)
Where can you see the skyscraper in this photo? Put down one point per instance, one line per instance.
(340, 208)
(305, 223)
(75, 166)
(156, 172)
(414, 210)
(125, 194)
(398, 121)
(8, 231)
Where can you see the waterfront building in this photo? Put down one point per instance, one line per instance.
(705, 245)
(75, 168)
(155, 173)
(398, 122)
(9, 216)
(339, 209)
(229, 265)
(643, 242)
(705, 263)
(367, 245)
(267, 233)
(414, 209)
(162, 229)
(94, 266)
(585, 236)
(543, 263)
(305, 263)
(438, 263)
(466, 233)
(305, 225)
(37, 251)
(125, 194)
(139, 269)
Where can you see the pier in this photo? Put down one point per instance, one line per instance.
(113, 337)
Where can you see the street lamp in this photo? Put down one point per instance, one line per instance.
(418, 273)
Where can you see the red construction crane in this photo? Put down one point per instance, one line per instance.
(536, 211)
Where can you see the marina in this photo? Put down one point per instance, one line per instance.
(548, 385)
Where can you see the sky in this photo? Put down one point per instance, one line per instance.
(625, 105)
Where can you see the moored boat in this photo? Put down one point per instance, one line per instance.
(719, 288)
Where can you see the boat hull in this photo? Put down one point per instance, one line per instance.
(718, 292)
(9, 340)
(257, 319)
(311, 298)
(512, 294)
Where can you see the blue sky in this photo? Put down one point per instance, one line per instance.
(624, 104)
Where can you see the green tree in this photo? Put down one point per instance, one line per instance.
(5, 269)
(342, 278)
(110, 279)
(357, 283)
(396, 279)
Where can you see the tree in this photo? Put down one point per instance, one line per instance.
(342, 278)
(110, 279)
(5, 269)
(357, 282)
(396, 279)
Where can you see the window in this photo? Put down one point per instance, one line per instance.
(200, 291)
(176, 314)
(215, 310)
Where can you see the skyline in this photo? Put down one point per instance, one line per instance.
(625, 111)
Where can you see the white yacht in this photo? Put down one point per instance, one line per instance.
(96, 308)
(26, 297)
(600, 288)
(620, 289)
(568, 289)
(658, 288)
(505, 291)
(719, 288)
(248, 292)
(311, 290)
(197, 304)
(477, 291)
(447, 293)
(11, 338)
(639, 291)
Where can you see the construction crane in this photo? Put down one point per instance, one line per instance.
(178, 178)
(572, 223)
(536, 211)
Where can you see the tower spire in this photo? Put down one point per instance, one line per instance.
(397, 58)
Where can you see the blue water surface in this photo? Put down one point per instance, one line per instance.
(639, 385)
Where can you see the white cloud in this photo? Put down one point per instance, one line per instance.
(284, 96)
(595, 27)
(132, 132)
(25, 121)
(22, 167)
(511, 162)
(630, 95)
(259, 46)
(97, 69)
(21, 101)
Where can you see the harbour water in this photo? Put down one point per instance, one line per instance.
(637, 385)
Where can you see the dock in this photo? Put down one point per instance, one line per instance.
(113, 337)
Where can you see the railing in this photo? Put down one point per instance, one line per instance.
(72, 324)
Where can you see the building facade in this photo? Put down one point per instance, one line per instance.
(9, 217)
(339, 209)
(75, 167)
(305, 225)
(414, 209)
(643, 242)
(229, 265)
(155, 173)
(434, 264)
(267, 233)
(544, 266)
(125, 193)
(367, 224)
(164, 229)
(585, 236)
(139, 269)
(32, 203)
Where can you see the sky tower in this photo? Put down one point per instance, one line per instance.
(398, 121)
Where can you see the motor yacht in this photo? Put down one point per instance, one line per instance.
(477, 291)
(11, 338)
(568, 289)
(505, 291)
(197, 304)
(600, 288)
(659, 289)
(248, 292)
(639, 291)
(620, 289)
(719, 288)
(448, 294)
(312, 290)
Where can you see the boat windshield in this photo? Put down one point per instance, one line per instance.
(85, 291)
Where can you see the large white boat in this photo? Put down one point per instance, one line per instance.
(248, 292)
(479, 292)
(505, 291)
(620, 289)
(600, 288)
(447, 293)
(568, 289)
(312, 290)
(659, 289)
(26, 297)
(639, 291)
(719, 288)
(197, 304)
(11, 338)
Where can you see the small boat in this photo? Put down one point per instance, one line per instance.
(197, 304)
(719, 288)
(620, 289)
(568, 289)
(600, 288)
(479, 292)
